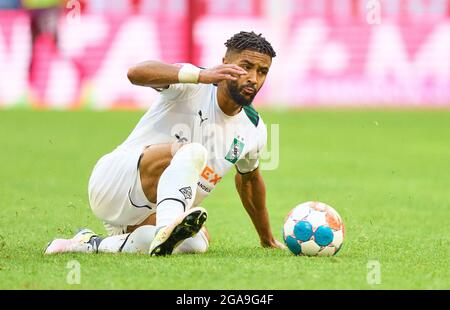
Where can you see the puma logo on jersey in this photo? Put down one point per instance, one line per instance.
(201, 117)
(209, 175)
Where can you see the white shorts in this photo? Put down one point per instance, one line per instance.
(115, 191)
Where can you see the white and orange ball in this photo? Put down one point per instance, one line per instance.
(313, 228)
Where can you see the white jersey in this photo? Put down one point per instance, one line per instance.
(190, 113)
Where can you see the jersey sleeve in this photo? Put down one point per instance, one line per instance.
(180, 91)
(250, 161)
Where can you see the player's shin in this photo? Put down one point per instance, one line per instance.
(139, 242)
(136, 242)
(177, 184)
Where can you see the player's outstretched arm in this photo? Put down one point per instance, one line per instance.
(157, 74)
(252, 191)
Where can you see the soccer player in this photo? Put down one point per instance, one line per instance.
(148, 190)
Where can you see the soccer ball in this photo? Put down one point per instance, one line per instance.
(313, 228)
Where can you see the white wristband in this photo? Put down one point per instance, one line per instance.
(189, 74)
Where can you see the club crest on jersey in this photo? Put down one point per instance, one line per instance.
(235, 151)
(187, 192)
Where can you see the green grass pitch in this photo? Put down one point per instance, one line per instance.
(386, 172)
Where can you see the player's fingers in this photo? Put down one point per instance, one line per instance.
(227, 77)
(235, 67)
(232, 71)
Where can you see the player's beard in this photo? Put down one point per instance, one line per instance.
(235, 93)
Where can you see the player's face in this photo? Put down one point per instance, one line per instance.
(257, 65)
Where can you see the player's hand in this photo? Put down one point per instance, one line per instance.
(221, 73)
(273, 244)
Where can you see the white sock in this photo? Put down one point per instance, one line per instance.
(139, 242)
(136, 242)
(197, 244)
(177, 185)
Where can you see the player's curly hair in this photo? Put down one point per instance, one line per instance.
(250, 41)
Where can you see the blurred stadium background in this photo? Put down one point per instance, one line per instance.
(75, 54)
(373, 140)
